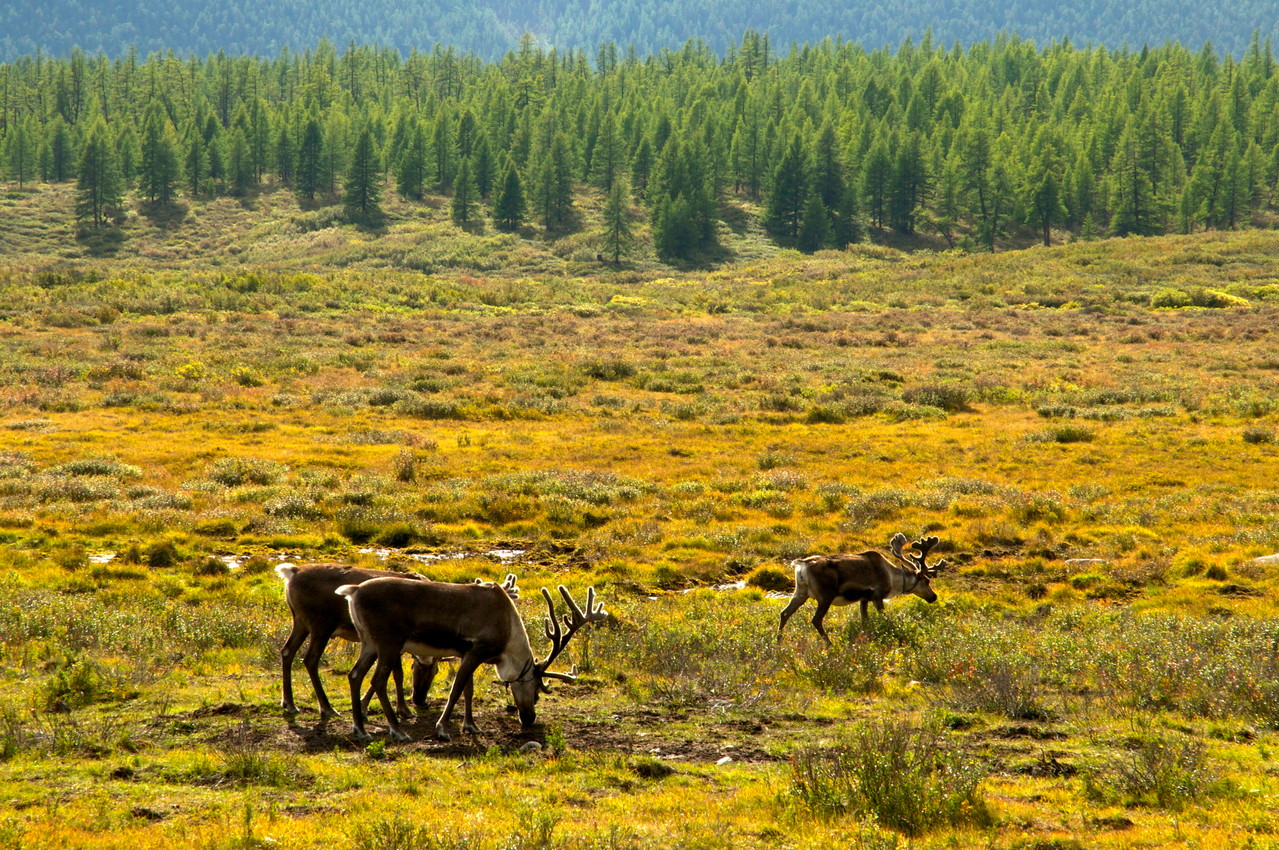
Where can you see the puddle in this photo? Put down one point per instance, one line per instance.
(504, 556)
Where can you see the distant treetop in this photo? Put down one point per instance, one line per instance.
(490, 28)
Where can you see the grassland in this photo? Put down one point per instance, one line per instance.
(1091, 430)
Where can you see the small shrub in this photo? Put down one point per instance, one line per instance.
(904, 776)
(952, 398)
(238, 471)
(1257, 434)
(405, 466)
(1166, 770)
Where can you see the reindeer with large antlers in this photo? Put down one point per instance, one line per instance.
(477, 623)
(866, 577)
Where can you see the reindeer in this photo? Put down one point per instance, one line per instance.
(477, 623)
(321, 615)
(867, 577)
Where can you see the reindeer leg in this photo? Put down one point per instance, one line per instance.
(424, 672)
(797, 601)
(368, 654)
(314, 651)
(465, 670)
(879, 605)
(398, 675)
(822, 608)
(865, 615)
(385, 665)
(287, 654)
(468, 722)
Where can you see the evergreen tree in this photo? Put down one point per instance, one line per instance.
(1042, 194)
(285, 154)
(410, 175)
(673, 229)
(788, 194)
(128, 153)
(553, 195)
(508, 204)
(876, 177)
(618, 237)
(99, 184)
(239, 162)
(815, 229)
(483, 166)
(462, 207)
(60, 162)
(22, 149)
(911, 183)
(196, 164)
(363, 189)
(160, 172)
(310, 161)
(606, 159)
(641, 165)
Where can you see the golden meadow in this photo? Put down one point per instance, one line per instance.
(1090, 429)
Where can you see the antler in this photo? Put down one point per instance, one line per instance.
(573, 620)
(508, 584)
(923, 546)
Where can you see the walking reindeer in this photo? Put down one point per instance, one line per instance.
(865, 577)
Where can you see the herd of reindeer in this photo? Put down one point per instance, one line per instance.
(389, 613)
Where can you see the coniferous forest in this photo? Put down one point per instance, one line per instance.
(824, 145)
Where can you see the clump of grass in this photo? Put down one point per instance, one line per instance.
(908, 778)
(1066, 433)
(768, 579)
(239, 471)
(950, 397)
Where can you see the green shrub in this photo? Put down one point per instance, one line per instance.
(1258, 434)
(907, 778)
(770, 579)
(952, 398)
(1162, 769)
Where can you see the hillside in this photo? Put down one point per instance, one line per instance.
(493, 27)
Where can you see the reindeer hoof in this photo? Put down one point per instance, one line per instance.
(359, 734)
(442, 734)
(471, 728)
(397, 735)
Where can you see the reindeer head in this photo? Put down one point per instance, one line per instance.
(922, 571)
(528, 687)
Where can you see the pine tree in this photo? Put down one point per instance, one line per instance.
(196, 164)
(617, 226)
(876, 178)
(553, 196)
(462, 207)
(310, 161)
(363, 183)
(99, 185)
(815, 229)
(22, 149)
(482, 166)
(60, 164)
(160, 173)
(128, 153)
(411, 173)
(509, 206)
(1042, 194)
(788, 194)
(239, 162)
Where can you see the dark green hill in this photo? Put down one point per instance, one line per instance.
(489, 28)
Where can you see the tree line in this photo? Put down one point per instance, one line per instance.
(489, 28)
(823, 144)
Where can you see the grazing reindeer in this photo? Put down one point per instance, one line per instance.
(867, 577)
(321, 616)
(477, 623)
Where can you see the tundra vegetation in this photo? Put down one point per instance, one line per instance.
(1089, 429)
